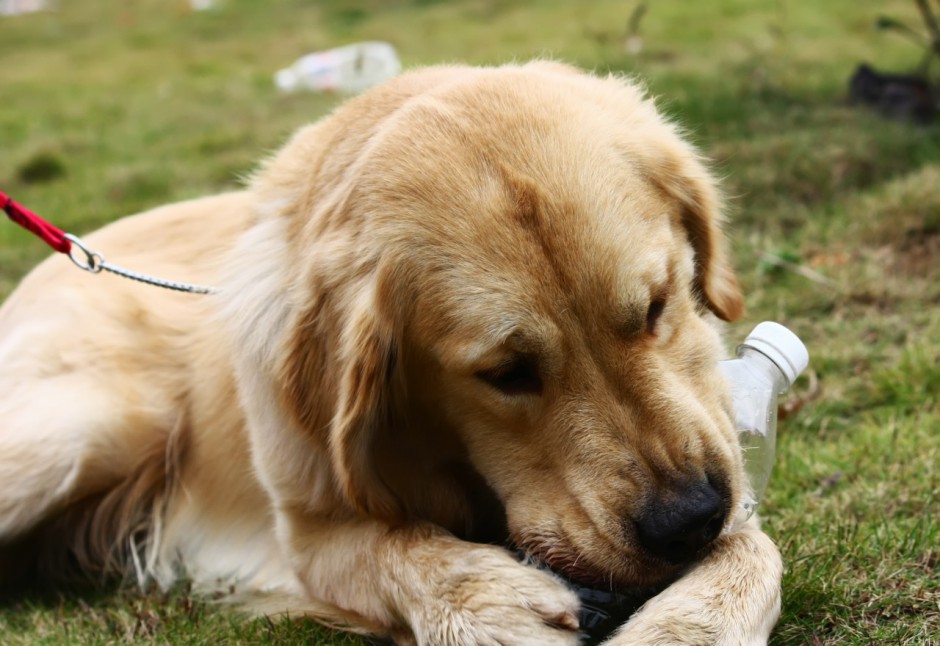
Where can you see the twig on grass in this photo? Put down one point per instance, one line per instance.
(805, 272)
(795, 403)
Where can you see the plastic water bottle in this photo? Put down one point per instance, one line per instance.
(768, 362)
(348, 69)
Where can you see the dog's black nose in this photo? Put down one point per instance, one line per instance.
(676, 529)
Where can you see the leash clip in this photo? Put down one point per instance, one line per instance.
(93, 262)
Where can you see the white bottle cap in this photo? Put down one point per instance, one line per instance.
(781, 346)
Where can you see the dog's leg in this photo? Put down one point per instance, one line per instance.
(730, 598)
(43, 446)
(62, 439)
(84, 450)
(421, 585)
(77, 414)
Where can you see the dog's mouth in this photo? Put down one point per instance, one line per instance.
(623, 572)
(563, 561)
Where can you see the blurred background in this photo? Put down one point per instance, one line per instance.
(832, 174)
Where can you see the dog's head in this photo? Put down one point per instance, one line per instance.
(503, 280)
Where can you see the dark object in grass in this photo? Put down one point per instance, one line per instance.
(603, 610)
(906, 97)
(41, 167)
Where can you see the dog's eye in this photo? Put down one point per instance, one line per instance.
(657, 305)
(518, 376)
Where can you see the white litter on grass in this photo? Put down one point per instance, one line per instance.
(349, 69)
(18, 7)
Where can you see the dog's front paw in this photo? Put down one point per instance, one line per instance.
(690, 622)
(731, 598)
(481, 595)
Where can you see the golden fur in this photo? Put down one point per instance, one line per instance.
(471, 306)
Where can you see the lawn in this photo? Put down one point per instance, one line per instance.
(111, 108)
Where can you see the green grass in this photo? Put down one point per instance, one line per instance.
(107, 110)
(121, 616)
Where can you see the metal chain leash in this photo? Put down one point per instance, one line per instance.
(93, 262)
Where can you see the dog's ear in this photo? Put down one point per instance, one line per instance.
(715, 278)
(700, 216)
(337, 379)
(367, 357)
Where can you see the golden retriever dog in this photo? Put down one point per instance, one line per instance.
(473, 308)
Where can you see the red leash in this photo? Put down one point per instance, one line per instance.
(85, 258)
(51, 235)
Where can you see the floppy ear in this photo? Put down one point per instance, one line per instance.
(700, 217)
(714, 276)
(367, 356)
(341, 360)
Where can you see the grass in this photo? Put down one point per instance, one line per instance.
(116, 616)
(108, 110)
